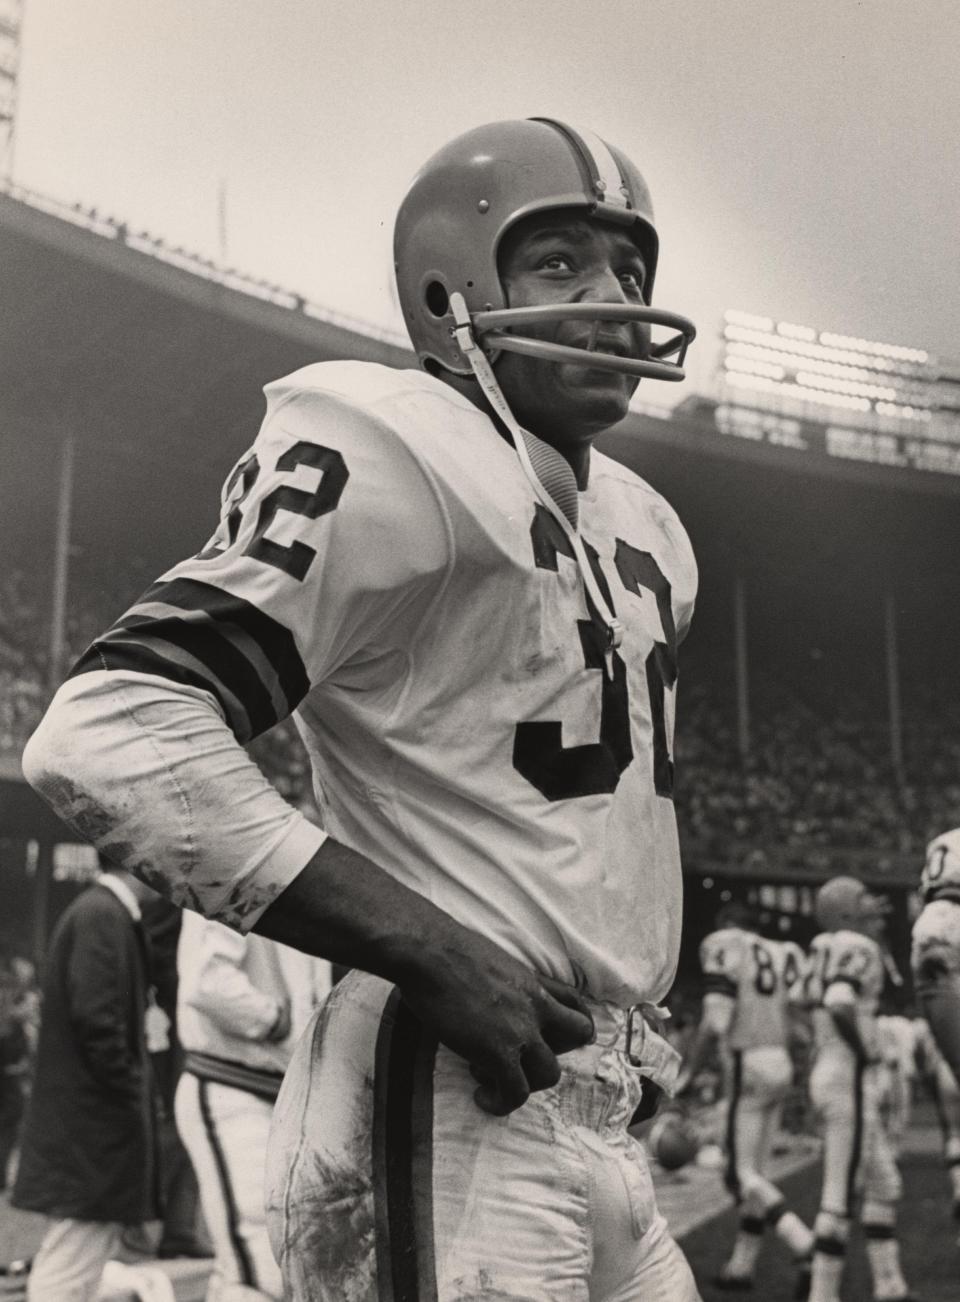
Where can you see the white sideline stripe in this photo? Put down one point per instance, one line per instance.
(605, 168)
(690, 1197)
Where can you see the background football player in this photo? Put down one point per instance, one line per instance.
(243, 1002)
(749, 986)
(845, 979)
(476, 619)
(935, 955)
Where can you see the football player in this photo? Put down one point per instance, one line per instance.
(936, 945)
(242, 1004)
(845, 979)
(475, 617)
(749, 985)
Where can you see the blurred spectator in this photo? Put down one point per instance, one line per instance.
(243, 1003)
(26, 1003)
(183, 1233)
(89, 1144)
(14, 1051)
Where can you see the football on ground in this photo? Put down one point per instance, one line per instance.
(672, 1141)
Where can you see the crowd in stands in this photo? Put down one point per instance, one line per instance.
(814, 792)
(23, 660)
(25, 613)
(816, 789)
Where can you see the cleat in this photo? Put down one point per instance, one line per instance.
(734, 1283)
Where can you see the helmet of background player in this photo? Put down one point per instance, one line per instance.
(736, 913)
(940, 878)
(454, 217)
(845, 904)
(672, 1140)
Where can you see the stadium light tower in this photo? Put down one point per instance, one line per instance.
(11, 23)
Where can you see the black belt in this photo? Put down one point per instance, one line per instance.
(238, 1075)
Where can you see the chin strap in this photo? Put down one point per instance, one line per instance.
(549, 474)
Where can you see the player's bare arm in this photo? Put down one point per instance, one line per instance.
(507, 1022)
(713, 1025)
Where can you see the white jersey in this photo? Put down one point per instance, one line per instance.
(936, 931)
(233, 988)
(941, 868)
(845, 968)
(761, 976)
(383, 568)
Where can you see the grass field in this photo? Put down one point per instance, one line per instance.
(928, 1235)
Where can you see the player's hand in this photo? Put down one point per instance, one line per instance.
(507, 1022)
(281, 1026)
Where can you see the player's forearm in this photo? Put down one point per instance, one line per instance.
(345, 908)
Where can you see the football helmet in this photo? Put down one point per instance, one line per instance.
(672, 1140)
(736, 913)
(940, 878)
(845, 904)
(467, 196)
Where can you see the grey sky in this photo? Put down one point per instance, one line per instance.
(803, 154)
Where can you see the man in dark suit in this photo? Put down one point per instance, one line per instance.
(89, 1147)
(13, 1066)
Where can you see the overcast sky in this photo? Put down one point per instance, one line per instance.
(803, 154)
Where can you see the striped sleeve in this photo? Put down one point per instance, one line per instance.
(718, 983)
(330, 548)
(202, 636)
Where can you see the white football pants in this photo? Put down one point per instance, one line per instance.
(758, 1083)
(225, 1131)
(386, 1182)
(856, 1154)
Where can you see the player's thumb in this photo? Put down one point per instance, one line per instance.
(570, 1023)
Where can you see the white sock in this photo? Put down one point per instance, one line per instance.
(883, 1254)
(829, 1257)
(746, 1248)
(794, 1233)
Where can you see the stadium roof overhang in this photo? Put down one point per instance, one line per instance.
(156, 371)
(129, 349)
